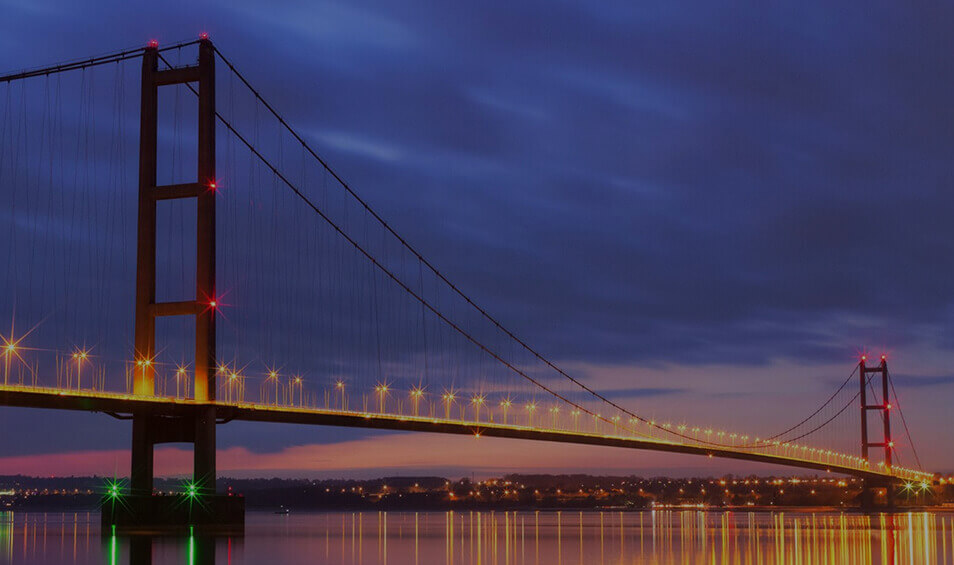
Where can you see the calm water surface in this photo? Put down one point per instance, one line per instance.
(500, 538)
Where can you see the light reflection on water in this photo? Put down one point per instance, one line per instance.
(500, 538)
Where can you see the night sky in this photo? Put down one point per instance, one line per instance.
(705, 211)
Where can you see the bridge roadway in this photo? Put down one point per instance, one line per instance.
(119, 404)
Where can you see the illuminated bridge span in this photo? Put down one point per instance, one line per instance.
(266, 289)
(464, 418)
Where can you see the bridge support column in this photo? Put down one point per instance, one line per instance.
(203, 306)
(866, 500)
(141, 464)
(204, 450)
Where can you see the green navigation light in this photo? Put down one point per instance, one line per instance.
(114, 489)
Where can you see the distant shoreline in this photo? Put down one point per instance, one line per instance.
(522, 493)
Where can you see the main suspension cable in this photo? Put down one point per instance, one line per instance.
(442, 277)
(539, 356)
(88, 62)
(829, 420)
(424, 302)
(820, 408)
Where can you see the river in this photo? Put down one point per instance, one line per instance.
(500, 538)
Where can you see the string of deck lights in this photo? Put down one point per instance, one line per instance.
(475, 410)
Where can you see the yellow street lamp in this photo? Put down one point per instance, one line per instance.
(417, 393)
(448, 398)
(505, 404)
(301, 390)
(80, 356)
(11, 349)
(382, 390)
(273, 376)
(531, 408)
(180, 374)
(340, 388)
(145, 364)
(616, 419)
(477, 401)
(233, 381)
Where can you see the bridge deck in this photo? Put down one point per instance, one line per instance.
(119, 403)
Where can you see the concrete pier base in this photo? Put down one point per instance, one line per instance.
(877, 496)
(156, 515)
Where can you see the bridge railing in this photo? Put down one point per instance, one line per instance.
(80, 372)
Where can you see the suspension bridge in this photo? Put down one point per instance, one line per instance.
(266, 289)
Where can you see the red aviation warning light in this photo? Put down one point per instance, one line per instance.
(213, 304)
(153, 43)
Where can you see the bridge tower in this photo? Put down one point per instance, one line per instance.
(193, 423)
(884, 407)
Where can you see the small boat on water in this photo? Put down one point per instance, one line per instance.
(282, 510)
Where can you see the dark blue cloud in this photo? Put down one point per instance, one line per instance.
(909, 381)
